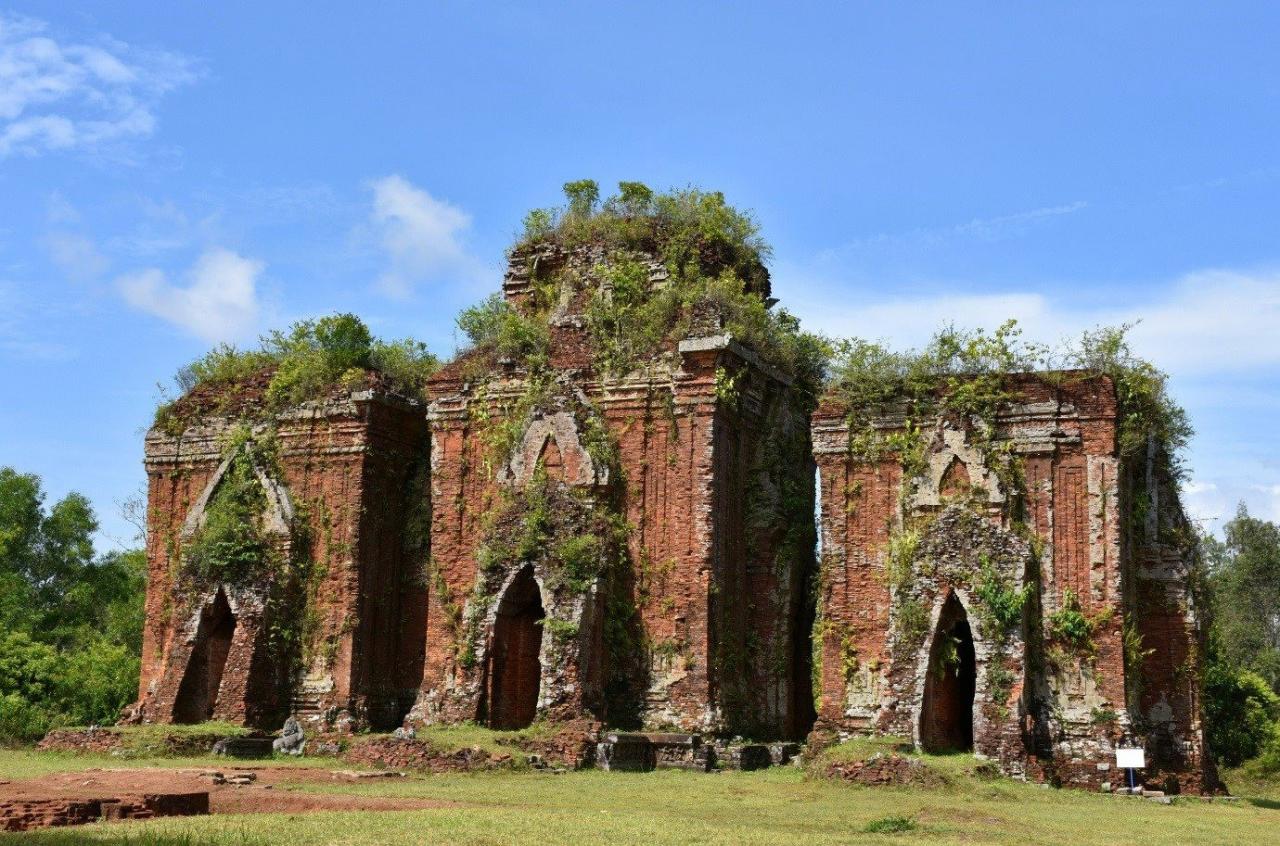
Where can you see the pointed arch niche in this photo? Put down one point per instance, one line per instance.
(946, 713)
(224, 623)
(513, 665)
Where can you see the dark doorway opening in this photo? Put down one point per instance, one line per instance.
(803, 712)
(946, 718)
(198, 693)
(514, 670)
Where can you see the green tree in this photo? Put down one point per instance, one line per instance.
(43, 555)
(582, 194)
(1245, 589)
(107, 602)
(28, 668)
(70, 621)
(1240, 711)
(95, 682)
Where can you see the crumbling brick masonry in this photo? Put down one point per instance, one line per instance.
(546, 536)
(987, 602)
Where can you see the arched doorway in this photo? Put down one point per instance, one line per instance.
(946, 716)
(198, 693)
(514, 670)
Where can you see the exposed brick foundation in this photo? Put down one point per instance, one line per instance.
(109, 741)
(883, 770)
(25, 814)
(421, 756)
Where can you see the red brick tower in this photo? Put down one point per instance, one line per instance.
(700, 621)
(331, 619)
(986, 600)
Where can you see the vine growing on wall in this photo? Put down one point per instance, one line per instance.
(1001, 605)
(576, 536)
(246, 390)
(233, 547)
(894, 400)
(1072, 630)
(635, 274)
(966, 377)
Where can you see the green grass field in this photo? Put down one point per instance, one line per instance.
(778, 806)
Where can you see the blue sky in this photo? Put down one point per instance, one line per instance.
(172, 175)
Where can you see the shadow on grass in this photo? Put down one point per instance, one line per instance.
(1269, 804)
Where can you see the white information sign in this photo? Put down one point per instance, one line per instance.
(1131, 758)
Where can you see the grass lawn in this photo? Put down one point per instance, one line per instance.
(778, 806)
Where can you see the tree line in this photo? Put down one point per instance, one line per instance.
(70, 617)
(1242, 667)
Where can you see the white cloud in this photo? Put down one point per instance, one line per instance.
(1204, 502)
(422, 237)
(1272, 495)
(219, 302)
(983, 229)
(911, 322)
(76, 256)
(1206, 322)
(38, 350)
(23, 322)
(1212, 321)
(1212, 330)
(59, 209)
(1213, 504)
(65, 95)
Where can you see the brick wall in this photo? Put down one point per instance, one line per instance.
(358, 655)
(1066, 708)
(707, 616)
(703, 621)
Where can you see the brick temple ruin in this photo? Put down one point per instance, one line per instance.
(1086, 532)
(643, 552)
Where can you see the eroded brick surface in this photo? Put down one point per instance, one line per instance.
(24, 814)
(1044, 709)
(346, 472)
(703, 624)
(714, 614)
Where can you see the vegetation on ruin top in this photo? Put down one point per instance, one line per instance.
(675, 264)
(690, 228)
(309, 361)
(970, 374)
(968, 377)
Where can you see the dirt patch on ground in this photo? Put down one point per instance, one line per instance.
(92, 794)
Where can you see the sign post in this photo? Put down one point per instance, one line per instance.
(1131, 759)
